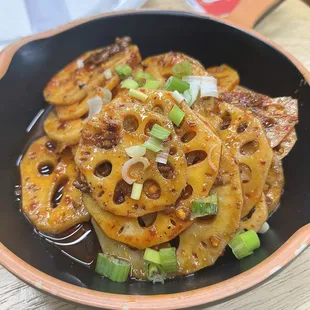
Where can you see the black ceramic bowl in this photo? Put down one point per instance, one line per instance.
(262, 67)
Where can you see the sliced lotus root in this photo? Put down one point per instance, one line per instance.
(49, 199)
(72, 83)
(101, 156)
(129, 231)
(257, 216)
(160, 66)
(80, 108)
(227, 77)
(122, 251)
(285, 146)
(201, 146)
(274, 184)
(66, 132)
(202, 243)
(243, 134)
(278, 116)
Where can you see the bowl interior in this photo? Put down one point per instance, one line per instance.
(261, 67)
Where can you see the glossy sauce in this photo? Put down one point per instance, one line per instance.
(80, 242)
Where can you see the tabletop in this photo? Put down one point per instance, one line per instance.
(289, 26)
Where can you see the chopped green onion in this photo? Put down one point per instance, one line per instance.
(159, 132)
(136, 191)
(143, 77)
(243, 244)
(168, 259)
(137, 94)
(204, 207)
(153, 144)
(155, 273)
(177, 96)
(188, 97)
(182, 69)
(135, 151)
(151, 84)
(174, 83)
(193, 90)
(130, 84)
(123, 71)
(176, 115)
(113, 268)
(265, 227)
(107, 74)
(152, 256)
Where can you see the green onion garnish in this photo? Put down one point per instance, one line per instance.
(205, 206)
(143, 77)
(130, 84)
(176, 115)
(188, 97)
(123, 71)
(113, 268)
(243, 244)
(174, 83)
(153, 144)
(151, 256)
(137, 94)
(159, 132)
(136, 191)
(151, 84)
(168, 259)
(182, 69)
(135, 151)
(155, 273)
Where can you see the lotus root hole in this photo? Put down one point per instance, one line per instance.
(130, 123)
(51, 146)
(242, 127)
(249, 148)
(186, 192)
(122, 192)
(204, 244)
(58, 192)
(104, 169)
(172, 151)
(195, 157)
(147, 220)
(158, 109)
(245, 173)
(249, 215)
(175, 242)
(46, 168)
(148, 127)
(268, 122)
(190, 135)
(166, 170)
(151, 189)
(195, 256)
(226, 117)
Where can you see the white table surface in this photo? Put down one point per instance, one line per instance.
(288, 25)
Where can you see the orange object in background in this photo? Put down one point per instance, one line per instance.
(215, 7)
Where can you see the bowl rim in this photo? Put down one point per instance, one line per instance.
(296, 244)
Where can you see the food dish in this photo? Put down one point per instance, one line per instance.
(172, 161)
(26, 67)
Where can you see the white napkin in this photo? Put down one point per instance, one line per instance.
(19, 18)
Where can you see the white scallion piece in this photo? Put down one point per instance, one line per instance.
(162, 157)
(136, 191)
(107, 74)
(194, 91)
(80, 63)
(265, 227)
(177, 96)
(106, 95)
(135, 151)
(127, 166)
(207, 84)
(94, 106)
